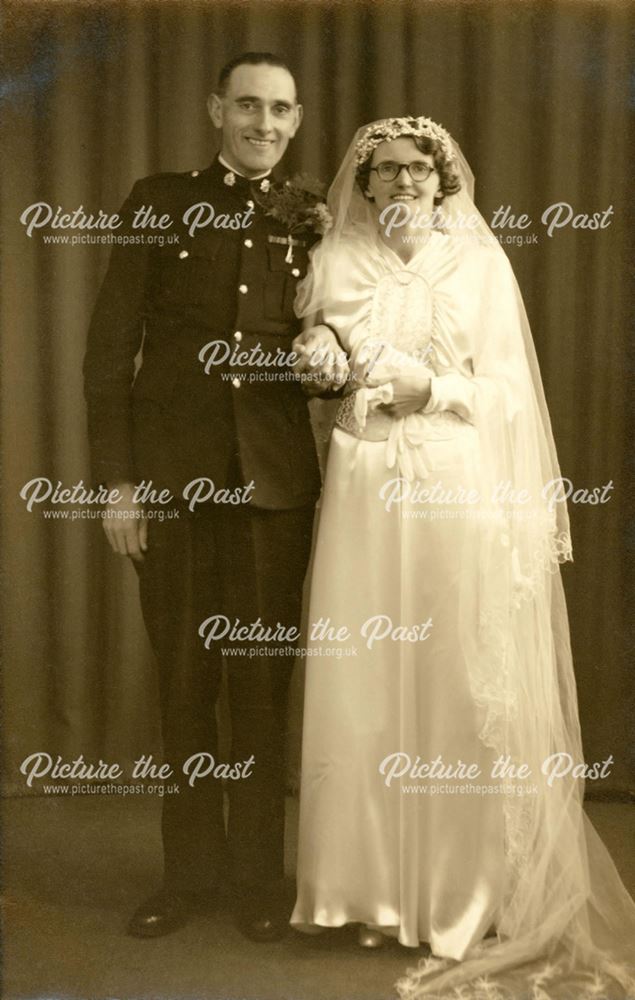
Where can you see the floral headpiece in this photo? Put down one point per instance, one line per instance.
(393, 128)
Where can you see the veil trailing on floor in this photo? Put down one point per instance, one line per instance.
(563, 903)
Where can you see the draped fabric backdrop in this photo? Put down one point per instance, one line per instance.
(98, 94)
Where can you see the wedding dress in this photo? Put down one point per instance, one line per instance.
(439, 685)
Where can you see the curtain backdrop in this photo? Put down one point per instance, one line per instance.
(96, 95)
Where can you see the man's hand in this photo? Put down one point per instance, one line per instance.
(126, 528)
(321, 358)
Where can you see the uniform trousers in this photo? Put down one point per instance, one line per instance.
(247, 564)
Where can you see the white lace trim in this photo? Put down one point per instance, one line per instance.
(549, 982)
(494, 691)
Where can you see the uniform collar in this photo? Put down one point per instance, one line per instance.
(235, 182)
(237, 173)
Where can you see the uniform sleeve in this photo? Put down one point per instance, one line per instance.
(114, 339)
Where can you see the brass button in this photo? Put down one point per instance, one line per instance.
(250, 204)
(243, 289)
(238, 336)
(295, 272)
(236, 383)
(248, 243)
(183, 254)
(194, 173)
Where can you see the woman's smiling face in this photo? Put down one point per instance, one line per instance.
(419, 195)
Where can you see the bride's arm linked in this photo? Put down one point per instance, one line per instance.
(321, 362)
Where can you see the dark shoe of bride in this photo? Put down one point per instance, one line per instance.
(369, 937)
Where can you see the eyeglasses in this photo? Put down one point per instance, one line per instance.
(419, 170)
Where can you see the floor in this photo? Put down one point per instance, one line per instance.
(75, 869)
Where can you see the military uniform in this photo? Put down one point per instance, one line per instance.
(174, 423)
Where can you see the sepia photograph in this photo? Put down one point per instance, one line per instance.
(317, 662)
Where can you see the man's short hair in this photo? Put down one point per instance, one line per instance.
(248, 59)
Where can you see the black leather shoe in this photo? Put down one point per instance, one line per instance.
(264, 925)
(162, 914)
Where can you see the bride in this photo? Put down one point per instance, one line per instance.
(440, 683)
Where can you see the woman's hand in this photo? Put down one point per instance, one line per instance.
(411, 392)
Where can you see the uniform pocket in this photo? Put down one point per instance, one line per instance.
(186, 276)
(281, 279)
(277, 277)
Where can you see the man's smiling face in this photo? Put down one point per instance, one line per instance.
(258, 114)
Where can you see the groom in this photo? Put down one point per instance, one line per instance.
(241, 549)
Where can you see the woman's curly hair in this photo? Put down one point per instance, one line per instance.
(449, 181)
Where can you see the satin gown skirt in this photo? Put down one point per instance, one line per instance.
(413, 857)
